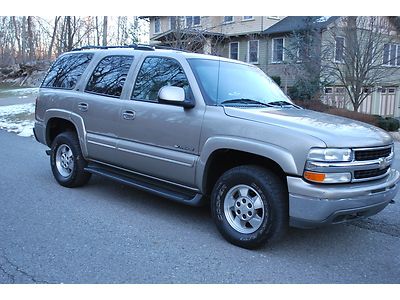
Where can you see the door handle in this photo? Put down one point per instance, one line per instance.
(128, 115)
(83, 106)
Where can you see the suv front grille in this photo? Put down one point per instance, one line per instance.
(362, 155)
(362, 174)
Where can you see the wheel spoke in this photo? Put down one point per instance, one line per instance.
(255, 222)
(238, 222)
(243, 191)
(257, 202)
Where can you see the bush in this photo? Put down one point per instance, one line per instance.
(386, 123)
(277, 79)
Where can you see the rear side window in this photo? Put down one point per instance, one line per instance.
(157, 72)
(109, 76)
(66, 71)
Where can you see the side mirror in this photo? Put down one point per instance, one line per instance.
(174, 95)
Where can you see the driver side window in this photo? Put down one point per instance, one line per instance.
(155, 73)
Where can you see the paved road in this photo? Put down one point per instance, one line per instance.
(108, 233)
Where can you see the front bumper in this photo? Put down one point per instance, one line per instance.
(314, 205)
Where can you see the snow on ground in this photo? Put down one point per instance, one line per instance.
(18, 118)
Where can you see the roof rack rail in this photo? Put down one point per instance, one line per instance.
(132, 46)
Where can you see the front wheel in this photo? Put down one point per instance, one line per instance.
(67, 162)
(249, 206)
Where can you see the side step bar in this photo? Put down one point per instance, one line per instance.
(157, 188)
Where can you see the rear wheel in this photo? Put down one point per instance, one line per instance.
(67, 162)
(249, 206)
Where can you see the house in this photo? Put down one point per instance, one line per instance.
(272, 44)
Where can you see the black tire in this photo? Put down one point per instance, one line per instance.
(274, 206)
(78, 176)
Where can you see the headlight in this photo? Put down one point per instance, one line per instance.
(314, 173)
(330, 154)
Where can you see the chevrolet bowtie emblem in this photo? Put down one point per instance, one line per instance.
(382, 163)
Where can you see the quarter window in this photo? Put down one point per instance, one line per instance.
(253, 52)
(109, 76)
(66, 71)
(277, 50)
(234, 50)
(155, 73)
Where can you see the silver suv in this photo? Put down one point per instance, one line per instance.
(196, 128)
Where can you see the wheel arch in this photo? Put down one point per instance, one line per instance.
(216, 159)
(58, 121)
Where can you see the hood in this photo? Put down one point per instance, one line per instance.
(333, 130)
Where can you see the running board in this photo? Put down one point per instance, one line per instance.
(157, 188)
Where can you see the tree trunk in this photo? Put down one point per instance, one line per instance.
(17, 37)
(23, 39)
(30, 40)
(97, 31)
(53, 37)
(105, 31)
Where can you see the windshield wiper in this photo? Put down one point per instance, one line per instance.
(245, 101)
(282, 104)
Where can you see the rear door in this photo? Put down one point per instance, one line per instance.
(100, 106)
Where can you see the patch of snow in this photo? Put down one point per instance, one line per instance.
(18, 118)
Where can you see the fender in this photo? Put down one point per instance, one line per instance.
(75, 119)
(274, 152)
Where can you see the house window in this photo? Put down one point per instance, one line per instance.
(391, 55)
(228, 19)
(339, 49)
(277, 50)
(192, 21)
(234, 50)
(172, 23)
(274, 17)
(247, 18)
(391, 90)
(253, 52)
(196, 20)
(328, 90)
(157, 25)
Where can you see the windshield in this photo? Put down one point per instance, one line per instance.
(228, 82)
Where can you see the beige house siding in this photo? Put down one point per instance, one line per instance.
(216, 24)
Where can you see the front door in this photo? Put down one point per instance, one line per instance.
(157, 139)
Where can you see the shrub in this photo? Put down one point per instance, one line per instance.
(277, 79)
(386, 123)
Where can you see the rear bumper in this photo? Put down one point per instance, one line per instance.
(312, 205)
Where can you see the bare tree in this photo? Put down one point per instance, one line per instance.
(358, 48)
(105, 27)
(303, 56)
(53, 36)
(195, 39)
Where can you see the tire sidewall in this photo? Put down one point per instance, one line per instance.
(58, 141)
(222, 187)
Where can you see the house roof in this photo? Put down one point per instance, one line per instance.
(290, 24)
(187, 31)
